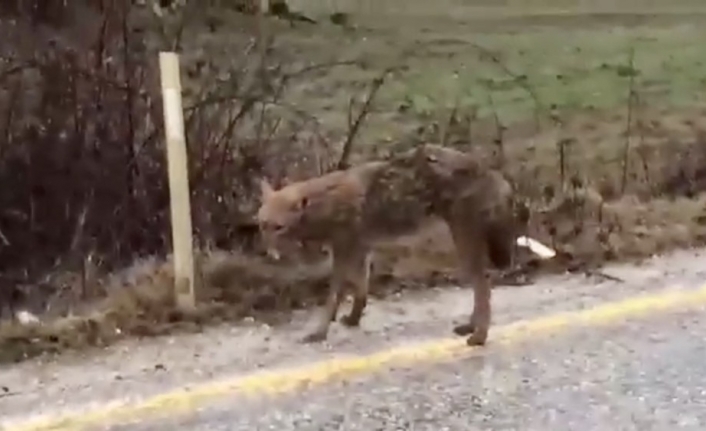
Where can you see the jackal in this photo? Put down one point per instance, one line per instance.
(349, 211)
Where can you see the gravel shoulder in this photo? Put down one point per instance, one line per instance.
(646, 374)
(139, 368)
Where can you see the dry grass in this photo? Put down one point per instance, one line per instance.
(139, 302)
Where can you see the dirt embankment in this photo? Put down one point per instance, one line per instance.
(595, 195)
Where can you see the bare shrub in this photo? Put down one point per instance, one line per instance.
(81, 156)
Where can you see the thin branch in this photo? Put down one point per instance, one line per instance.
(80, 225)
(500, 130)
(186, 12)
(628, 127)
(4, 239)
(354, 126)
(563, 147)
(449, 123)
(603, 275)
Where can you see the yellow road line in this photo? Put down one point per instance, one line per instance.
(185, 400)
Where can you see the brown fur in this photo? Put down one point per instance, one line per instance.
(351, 210)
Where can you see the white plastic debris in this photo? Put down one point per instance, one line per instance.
(26, 318)
(536, 247)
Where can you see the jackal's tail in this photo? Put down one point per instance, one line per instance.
(502, 233)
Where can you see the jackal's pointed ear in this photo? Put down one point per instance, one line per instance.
(265, 188)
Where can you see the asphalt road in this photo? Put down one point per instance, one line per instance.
(642, 375)
(569, 352)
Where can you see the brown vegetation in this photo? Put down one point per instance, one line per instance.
(84, 228)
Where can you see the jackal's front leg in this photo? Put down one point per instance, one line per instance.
(350, 272)
(328, 313)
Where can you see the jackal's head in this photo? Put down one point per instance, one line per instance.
(278, 217)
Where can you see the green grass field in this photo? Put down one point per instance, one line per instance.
(571, 54)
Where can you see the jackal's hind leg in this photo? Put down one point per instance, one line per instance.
(339, 299)
(473, 258)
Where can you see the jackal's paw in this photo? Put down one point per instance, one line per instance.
(314, 337)
(477, 339)
(464, 329)
(350, 321)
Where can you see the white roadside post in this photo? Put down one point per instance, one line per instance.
(182, 241)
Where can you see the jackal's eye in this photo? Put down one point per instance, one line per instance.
(275, 227)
